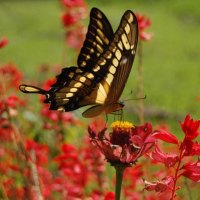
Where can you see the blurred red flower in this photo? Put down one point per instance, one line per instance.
(132, 178)
(5, 130)
(125, 144)
(52, 117)
(109, 196)
(3, 42)
(73, 3)
(72, 167)
(41, 151)
(13, 101)
(75, 11)
(69, 19)
(10, 76)
(143, 23)
(75, 37)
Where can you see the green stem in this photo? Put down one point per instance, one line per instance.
(119, 178)
(140, 83)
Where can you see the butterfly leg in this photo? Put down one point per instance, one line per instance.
(121, 115)
(114, 113)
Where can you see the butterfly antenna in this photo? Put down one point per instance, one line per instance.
(139, 98)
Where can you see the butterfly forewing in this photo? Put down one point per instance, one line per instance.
(115, 63)
(97, 39)
(126, 44)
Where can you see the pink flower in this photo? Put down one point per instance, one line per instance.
(160, 186)
(125, 144)
(168, 159)
(3, 42)
(190, 127)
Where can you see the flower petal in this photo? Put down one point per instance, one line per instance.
(166, 136)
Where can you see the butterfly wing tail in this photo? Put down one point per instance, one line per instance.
(32, 89)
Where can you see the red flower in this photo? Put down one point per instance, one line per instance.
(73, 3)
(48, 83)
(3, 42)
(168, 159)
(190, 127)
(69, 19)
(143, 23)
(110, 196)
(190, 148)
(125, 144)
(192, 171)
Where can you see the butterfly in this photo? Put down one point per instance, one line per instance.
(104, 64)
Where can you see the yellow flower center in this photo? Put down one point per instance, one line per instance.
(122, 125)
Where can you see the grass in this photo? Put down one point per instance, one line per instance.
(171, 59)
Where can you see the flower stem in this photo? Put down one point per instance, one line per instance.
(119, 178)
(176, 174)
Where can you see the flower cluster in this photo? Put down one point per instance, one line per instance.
(181, 159)
(3, 42)
(74, 12)
(143, 23)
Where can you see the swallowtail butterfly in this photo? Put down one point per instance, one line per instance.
(104, 64)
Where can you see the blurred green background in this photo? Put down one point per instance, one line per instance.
(171, 58)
